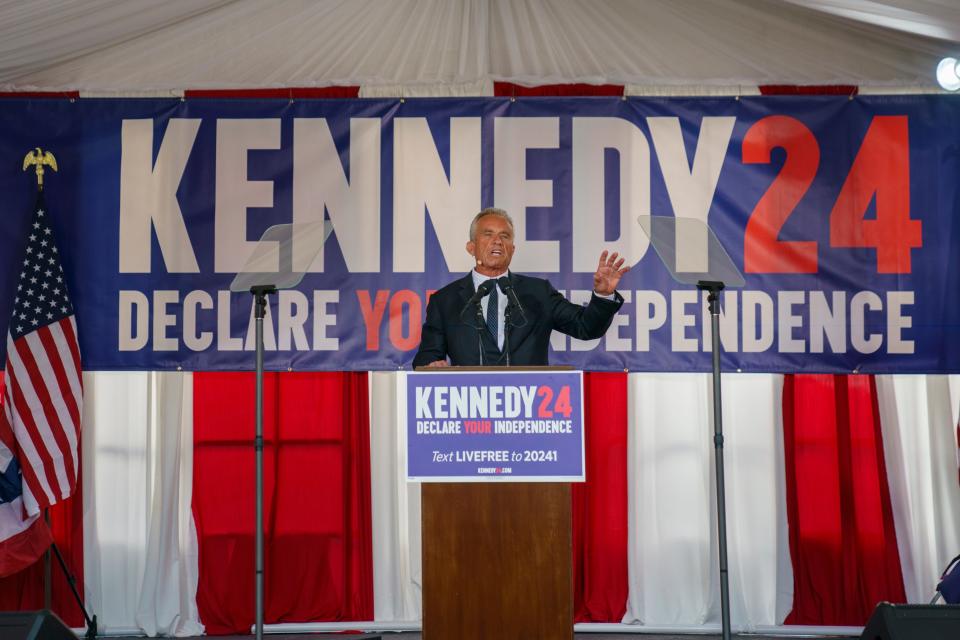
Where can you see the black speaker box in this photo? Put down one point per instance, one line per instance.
(33, 625)
(913, 622)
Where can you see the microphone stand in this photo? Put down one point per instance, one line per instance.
(506, 332)
(481, 325)
(478, 295)
(513, 302)
(512, 298)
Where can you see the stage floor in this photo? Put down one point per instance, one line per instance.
(416, 636)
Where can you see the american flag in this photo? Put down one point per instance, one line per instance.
(42, 390)
(23, 538)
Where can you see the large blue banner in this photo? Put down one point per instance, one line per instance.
(842, 213)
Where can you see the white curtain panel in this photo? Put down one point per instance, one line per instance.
(395, 503)
(140, 544)
(761, 571)
(918, 420)
(673, 567)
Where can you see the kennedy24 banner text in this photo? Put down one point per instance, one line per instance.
(840, 212)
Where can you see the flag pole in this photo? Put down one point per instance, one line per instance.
(38, 159)
(47, 569)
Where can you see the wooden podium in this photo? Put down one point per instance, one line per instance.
(497, 560)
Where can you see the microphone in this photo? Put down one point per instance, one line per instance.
(482, 290)
(507, 288)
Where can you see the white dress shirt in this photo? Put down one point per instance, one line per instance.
(479, 279)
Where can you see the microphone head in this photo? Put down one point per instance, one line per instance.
(485, 287)
(504, 283)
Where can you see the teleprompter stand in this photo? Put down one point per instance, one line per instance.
(278, 261)
(693, 255)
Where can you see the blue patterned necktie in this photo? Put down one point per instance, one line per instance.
(492, 315)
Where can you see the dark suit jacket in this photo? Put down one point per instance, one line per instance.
(452, 331)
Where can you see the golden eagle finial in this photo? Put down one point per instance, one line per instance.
(39, 158)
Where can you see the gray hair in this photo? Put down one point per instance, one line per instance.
(489, 211)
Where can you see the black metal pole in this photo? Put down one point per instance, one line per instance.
(481, 325)
(506, 333)
(713, 296)
(47, 569)
(260, 310)
(72, 581)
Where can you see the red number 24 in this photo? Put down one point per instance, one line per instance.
(881, 170)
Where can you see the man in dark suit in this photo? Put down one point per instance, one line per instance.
(495, 317)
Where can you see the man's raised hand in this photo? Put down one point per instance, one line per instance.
(608, 274)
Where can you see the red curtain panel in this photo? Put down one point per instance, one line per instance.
(317, 522)
(509, 89)
(600, 504)
(842, 538)
(291, 93)
(809, 90)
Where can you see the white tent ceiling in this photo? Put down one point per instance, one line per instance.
(131, 46)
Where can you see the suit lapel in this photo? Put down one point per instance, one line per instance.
(466, 291)
(466, 287)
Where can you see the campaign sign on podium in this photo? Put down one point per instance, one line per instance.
(489, 426)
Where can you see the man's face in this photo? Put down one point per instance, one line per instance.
(493, 246)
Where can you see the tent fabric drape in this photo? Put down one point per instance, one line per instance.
(920, 446)
(842, 536)
(316, 498)
(756, 490)
(672, 558)
(577, 89)
(447, 90)
(140, 549)
(136, 45)
(167, 604)
(290, 93)
(397, 571)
